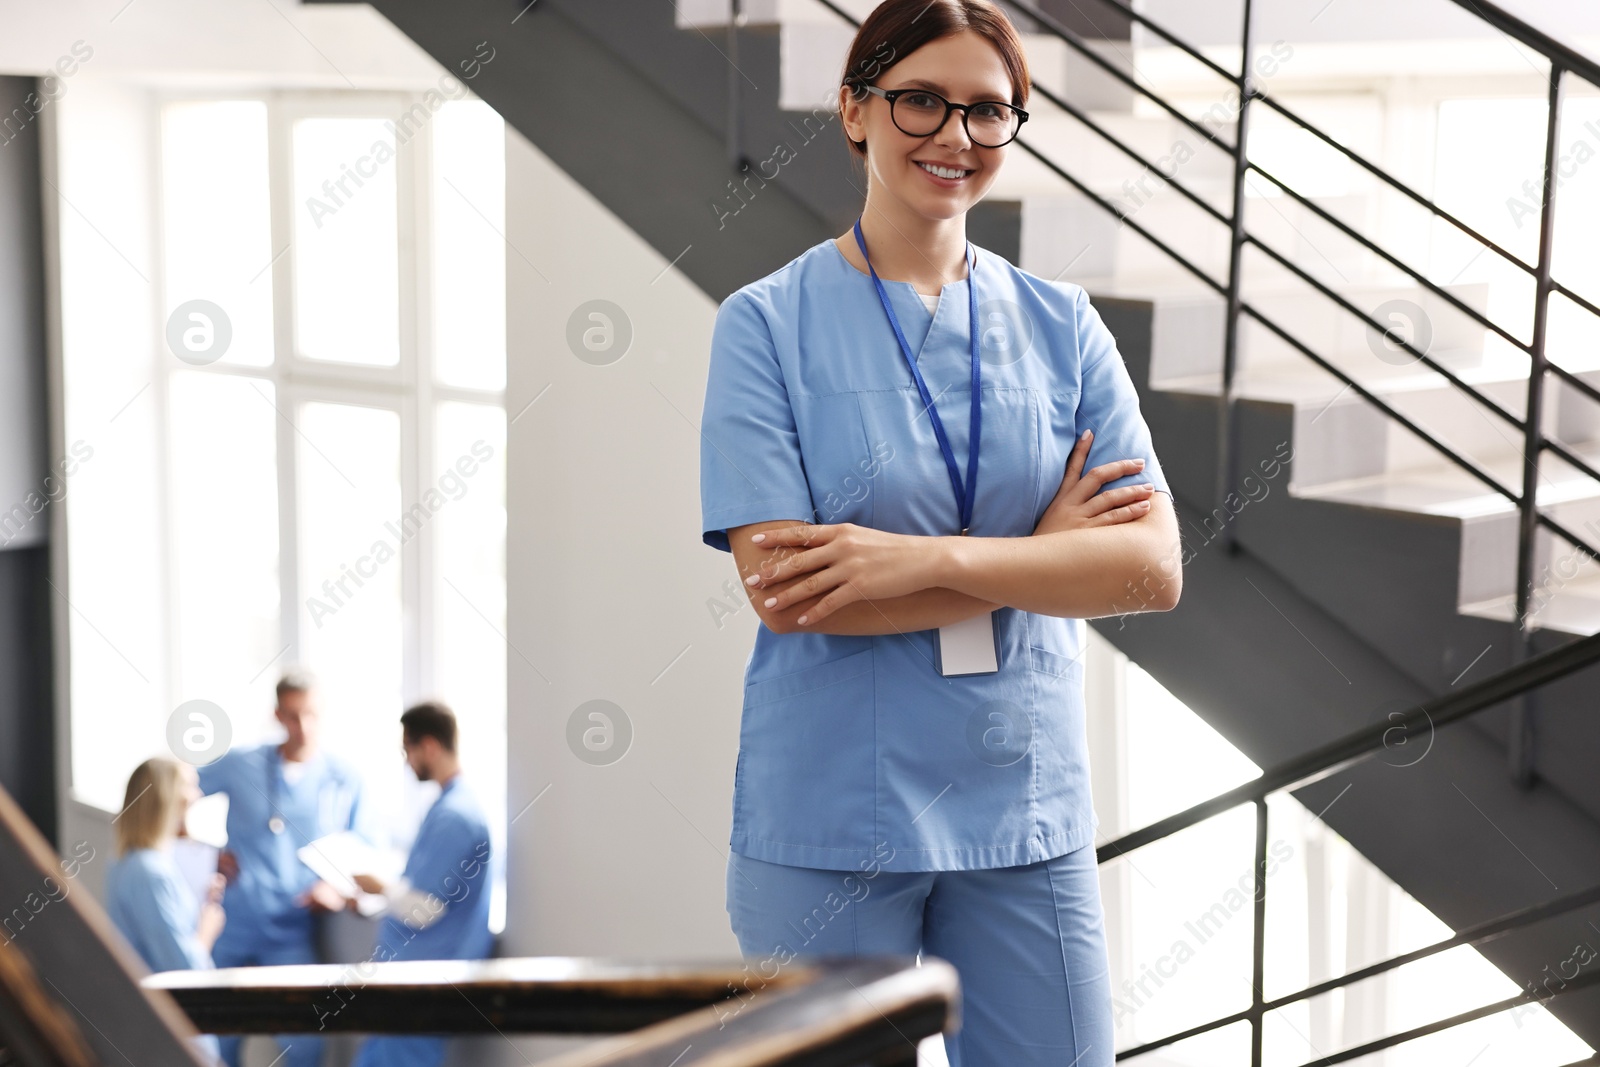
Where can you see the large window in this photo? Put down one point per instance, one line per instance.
(314, 473)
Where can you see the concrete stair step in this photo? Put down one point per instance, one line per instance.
(814, 40)
(1442, 488)
(1340, 435)
(1489, 523)
(1569, 605)
(1189, 326)
(813, 51)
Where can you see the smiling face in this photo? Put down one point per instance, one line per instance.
(963, 68)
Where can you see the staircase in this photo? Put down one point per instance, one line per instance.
(1393, 567)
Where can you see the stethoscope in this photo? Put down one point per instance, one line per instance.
(276, 822)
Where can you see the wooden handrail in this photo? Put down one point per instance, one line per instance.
(822, 1010)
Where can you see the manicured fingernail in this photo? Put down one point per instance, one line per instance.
(757, 537)
(1140, 462)
(771, 600)
(1086, 435)
(753, 579)
(1147, 485)
(802, 620)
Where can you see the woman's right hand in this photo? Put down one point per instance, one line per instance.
(209, 928)
(1079, 504)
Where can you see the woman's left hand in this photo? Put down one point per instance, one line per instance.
(843, 563)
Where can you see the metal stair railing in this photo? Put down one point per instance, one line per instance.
(1330, 759)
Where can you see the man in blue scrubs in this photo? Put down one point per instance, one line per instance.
(439, 909)
(281, 797)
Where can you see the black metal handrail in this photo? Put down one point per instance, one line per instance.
(1340, 753)
(1476, 934)
(1530, 35)
(1394, 183)
(1327, 760)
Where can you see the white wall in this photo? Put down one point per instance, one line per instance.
(608, 584)
(607, 591)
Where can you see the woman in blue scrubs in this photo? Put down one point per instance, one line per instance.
(930, 467)
(147, 897)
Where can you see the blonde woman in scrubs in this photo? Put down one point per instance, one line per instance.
(913, 774)
(147, 896)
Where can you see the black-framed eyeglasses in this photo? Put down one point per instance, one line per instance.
(921, 112)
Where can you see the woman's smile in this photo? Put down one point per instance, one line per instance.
(944, 176)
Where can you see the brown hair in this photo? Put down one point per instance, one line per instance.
(149, 805)
(896, 28)
(431, 718)
(294, 681)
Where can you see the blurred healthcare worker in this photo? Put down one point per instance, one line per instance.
(439, 909)
(147, 896)
(886, 424)
(280, 798)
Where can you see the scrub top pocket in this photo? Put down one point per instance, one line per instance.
(807, 740)
(842, 462)
(913, 494)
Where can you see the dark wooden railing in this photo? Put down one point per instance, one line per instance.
(815, 1011)
(71, 993)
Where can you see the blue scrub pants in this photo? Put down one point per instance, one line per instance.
(389, 1051)
(303, 1050)
(1028, 943)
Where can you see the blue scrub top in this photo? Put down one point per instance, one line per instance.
(149, 901)
(152, 905)
(324, 799)
(849, 743)
(449, 860)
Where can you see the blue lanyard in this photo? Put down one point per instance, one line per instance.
(964, 494)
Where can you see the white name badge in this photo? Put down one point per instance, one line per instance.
(969, 646)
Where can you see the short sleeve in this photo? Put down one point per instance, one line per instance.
(442, 853)
(750, 464)
(1109, 404)
(216, 776)
(155, 917)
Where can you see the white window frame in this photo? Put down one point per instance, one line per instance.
(409, 388)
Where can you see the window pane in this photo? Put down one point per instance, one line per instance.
(470, 599)
(216, 214)
(225, 543)
(350, 613)
(346, 249)
(469, 254)
(116, 596)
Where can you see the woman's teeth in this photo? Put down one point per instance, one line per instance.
(949, 173)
